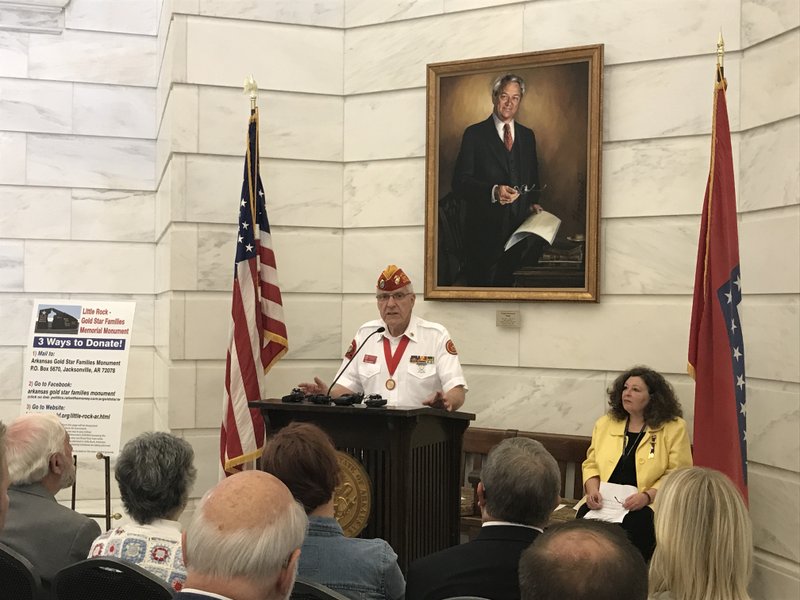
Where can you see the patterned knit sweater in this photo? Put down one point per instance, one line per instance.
(155, 547)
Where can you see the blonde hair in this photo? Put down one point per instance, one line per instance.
(704, 538)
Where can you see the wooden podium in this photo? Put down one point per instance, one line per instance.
(412, 457)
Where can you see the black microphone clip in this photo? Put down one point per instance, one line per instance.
(375, 401)
(319, 399)
(348, 399)
(296, 395)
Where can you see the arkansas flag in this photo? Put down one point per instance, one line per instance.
(258, 331)
(716, 347)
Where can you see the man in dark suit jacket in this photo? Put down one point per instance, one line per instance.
(48, 534)
(244, 540)
(518, 491)
(496, 177)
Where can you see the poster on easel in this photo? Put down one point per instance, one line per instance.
(75, 366)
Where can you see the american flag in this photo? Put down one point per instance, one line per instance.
(716, 345)
(258, 332)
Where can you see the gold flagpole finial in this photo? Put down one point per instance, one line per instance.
(251, 87)
(721, 60)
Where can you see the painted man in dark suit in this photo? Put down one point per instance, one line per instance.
(49, 535)
(519, 489)
(244, 540)
(496, 176)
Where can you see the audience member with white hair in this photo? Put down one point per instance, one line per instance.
(155, 472)
(244, 540)
(49, 535)
(704, 539)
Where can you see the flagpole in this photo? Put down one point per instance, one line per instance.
(716, 343)
(251, 88)
(258, 336)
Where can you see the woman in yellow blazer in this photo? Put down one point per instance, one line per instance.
(639, 440)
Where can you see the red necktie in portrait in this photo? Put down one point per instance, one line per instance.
(507, 139)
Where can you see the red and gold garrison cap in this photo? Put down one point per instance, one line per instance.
(392, 278)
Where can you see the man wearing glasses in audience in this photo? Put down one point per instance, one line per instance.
(411, 362)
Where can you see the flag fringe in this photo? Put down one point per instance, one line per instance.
(277, 356)
(232, 463)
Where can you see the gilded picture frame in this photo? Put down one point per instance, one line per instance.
(550, 160)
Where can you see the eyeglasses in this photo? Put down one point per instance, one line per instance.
(524, 189)
(397, 296)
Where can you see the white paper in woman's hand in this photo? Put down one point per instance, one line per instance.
(613, 495)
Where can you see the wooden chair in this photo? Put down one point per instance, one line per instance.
(568, 450)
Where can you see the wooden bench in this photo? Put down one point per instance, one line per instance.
(568, 450)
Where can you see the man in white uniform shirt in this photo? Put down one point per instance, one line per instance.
(412, 363)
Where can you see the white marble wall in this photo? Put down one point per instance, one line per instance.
(770, 141)
(343, 117)
(77, 188)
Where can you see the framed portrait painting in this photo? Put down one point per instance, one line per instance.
(513, 177)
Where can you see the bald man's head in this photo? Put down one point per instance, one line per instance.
(581, 545)
(249, 529)
(245, 500)
(583, 560)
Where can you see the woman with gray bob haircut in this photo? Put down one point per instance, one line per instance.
(155, 473)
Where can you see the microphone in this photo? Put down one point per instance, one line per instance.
(378, 330)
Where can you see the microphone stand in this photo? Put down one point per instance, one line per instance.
(378, 330)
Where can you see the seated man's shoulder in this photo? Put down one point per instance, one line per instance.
(435, 575)
(66, 519)
(495, 548)
(73, 516)
(436, 561)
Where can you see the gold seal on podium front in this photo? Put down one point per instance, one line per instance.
(352, 498)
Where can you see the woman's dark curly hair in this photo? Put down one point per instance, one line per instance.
(663, 405)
